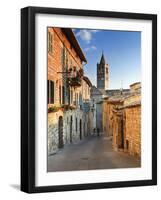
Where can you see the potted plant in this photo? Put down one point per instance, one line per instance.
(53, 109)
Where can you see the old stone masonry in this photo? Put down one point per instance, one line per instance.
(79, 111)
(70, 117)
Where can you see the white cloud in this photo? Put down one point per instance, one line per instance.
(86, 35)
(90, 48)
(93, 47)
(86, 49)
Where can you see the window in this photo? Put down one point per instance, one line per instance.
(63, 56)
(66, 60)
(80, 98)
(50, 91)
(63, 94)
(60, 94)
(50, 42)
(77, 99)
(106, 70)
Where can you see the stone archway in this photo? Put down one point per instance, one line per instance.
(60, 132)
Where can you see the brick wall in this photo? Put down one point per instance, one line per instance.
(132, 129)
(118, 131)
(122, 120)
(108, 116)
(76, 123)
(59, 40)
(127, 130)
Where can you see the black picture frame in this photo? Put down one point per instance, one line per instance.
(28, 98)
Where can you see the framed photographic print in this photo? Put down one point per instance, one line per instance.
(88, 99)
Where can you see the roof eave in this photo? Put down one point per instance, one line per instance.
(71, 37)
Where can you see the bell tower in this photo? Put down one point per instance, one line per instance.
(102, 75)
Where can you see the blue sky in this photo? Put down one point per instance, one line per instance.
(122, 51)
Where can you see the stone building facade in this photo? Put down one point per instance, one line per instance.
(111, 100)
(132, 129)
(68, 90)
(127, 128)
(122, 120)
(86, 106)
(96, 104)
(108, 106)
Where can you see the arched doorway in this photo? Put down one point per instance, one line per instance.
(80, 128)
(60, 129)
(71, 124)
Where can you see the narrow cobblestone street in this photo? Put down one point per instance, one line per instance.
(91, 153)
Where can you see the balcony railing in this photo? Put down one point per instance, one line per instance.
(75, 77)
(75, 81)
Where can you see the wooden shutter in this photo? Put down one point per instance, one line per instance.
(50, 42)
(48, 86)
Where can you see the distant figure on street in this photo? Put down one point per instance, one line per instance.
(98, 132)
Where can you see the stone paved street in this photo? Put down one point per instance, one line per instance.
(91, 153)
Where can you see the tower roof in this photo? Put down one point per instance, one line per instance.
(102, 61)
